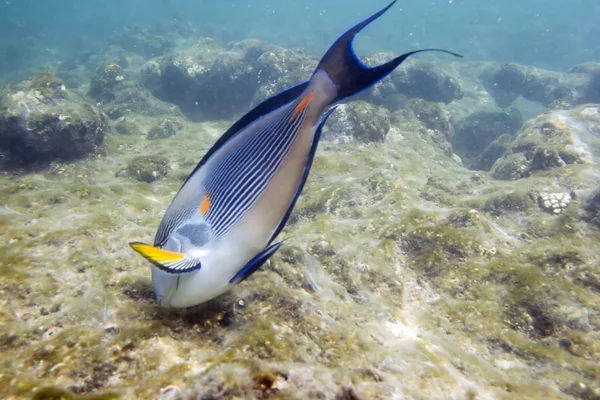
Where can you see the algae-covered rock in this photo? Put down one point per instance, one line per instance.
(118, 94)
(552, 140)
(435, 121)
(592, 208)
(492, 152)
(106, 82)
(423, 80)
(41, 120)
(166, 128)
(126, 125)
(506, 82)
(359, 120)
(432, 116)
(473, 134)
(146, 168)
(414, 79)
(208, 81)
(143, 40)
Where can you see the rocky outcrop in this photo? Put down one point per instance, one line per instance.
(166, 128)
(208, 81)
(413, 79)
(552, 140)
(473, 134)
(358, 120)
(146, 168)
(41, 120)
(118, 94)
(508, 81)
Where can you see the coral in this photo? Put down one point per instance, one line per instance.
(166, 128)
(359, 120)
(41, 120)
(554, 202)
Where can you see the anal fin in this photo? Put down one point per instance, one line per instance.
(254, 264)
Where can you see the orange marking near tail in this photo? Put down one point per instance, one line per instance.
(205, 205)
(302, 105)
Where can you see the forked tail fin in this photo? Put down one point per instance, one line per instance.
(347, 72)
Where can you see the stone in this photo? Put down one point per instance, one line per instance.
(555, 139)
(358, 120)
(166, 128)
(146, 168)
(477, 131)
(41, 121)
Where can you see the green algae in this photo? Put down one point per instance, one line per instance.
(362, 240)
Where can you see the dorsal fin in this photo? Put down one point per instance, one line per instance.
(268, 105)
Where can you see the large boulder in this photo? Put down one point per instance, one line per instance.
(506, 82)
(118, 94)
(473, 134)
(435, 122)
(208, 81)
(413, 79)
(41, 120)
(358, 120)
(592, 208)
(555, 139)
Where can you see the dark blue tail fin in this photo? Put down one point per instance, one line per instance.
(345, 69)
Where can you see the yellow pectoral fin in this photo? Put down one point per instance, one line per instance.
(155, 255)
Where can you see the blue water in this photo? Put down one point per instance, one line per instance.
(549, 34)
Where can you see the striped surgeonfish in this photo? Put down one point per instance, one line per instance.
(222, 223)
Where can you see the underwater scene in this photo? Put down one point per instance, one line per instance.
(333, 199)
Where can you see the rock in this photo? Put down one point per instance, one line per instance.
(126, 126)
(431, 116)
(118, 94)
(140, 39)
(166, 128)
(506, 82)
(492, 152)
(107, 80)
(478, 130)
(591, 92)
(592, 208)
(435, 121)
(208, 81)
(41, 120)
(146, 168)
(555, 139)
(362, 121)
(423, 80)
(414, 79)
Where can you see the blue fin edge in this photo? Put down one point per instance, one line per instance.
(254, 264)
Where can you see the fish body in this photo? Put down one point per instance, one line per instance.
(221, 225)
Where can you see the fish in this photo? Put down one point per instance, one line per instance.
(222, 224)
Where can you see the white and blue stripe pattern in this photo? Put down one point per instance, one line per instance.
(244, 174)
